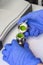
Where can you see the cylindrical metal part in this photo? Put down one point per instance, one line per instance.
(21, 39)
(21, 42)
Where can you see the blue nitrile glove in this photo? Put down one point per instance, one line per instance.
(14, 54)
(34, 21)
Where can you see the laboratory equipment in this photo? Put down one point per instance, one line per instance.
(9, 15)
(20, 36)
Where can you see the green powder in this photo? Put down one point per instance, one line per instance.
(20, 35)
(23, 28)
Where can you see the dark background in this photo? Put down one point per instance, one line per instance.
(33, 1)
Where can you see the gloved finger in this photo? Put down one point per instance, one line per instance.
(14, 43)
(26, 46)
(30, 15)
(35, 28)
(7, 46)
(26, 34)
(35, 23)
(24, 18)
(7, 49)
(32, 30)
(40, 20)
(5, 53)
(5, 58)
(37, 32)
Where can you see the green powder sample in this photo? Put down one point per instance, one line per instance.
(23, 28)
(20, 35)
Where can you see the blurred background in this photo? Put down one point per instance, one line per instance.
(39, 2)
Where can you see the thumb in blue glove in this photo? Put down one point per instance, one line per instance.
(34, 21)
(14, 54)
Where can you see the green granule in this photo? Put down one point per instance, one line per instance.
(20, 35)
(23, 28)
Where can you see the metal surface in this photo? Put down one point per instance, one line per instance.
(10, 19)
(9, 16)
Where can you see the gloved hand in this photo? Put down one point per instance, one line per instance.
(35, 23)
(14, 54)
